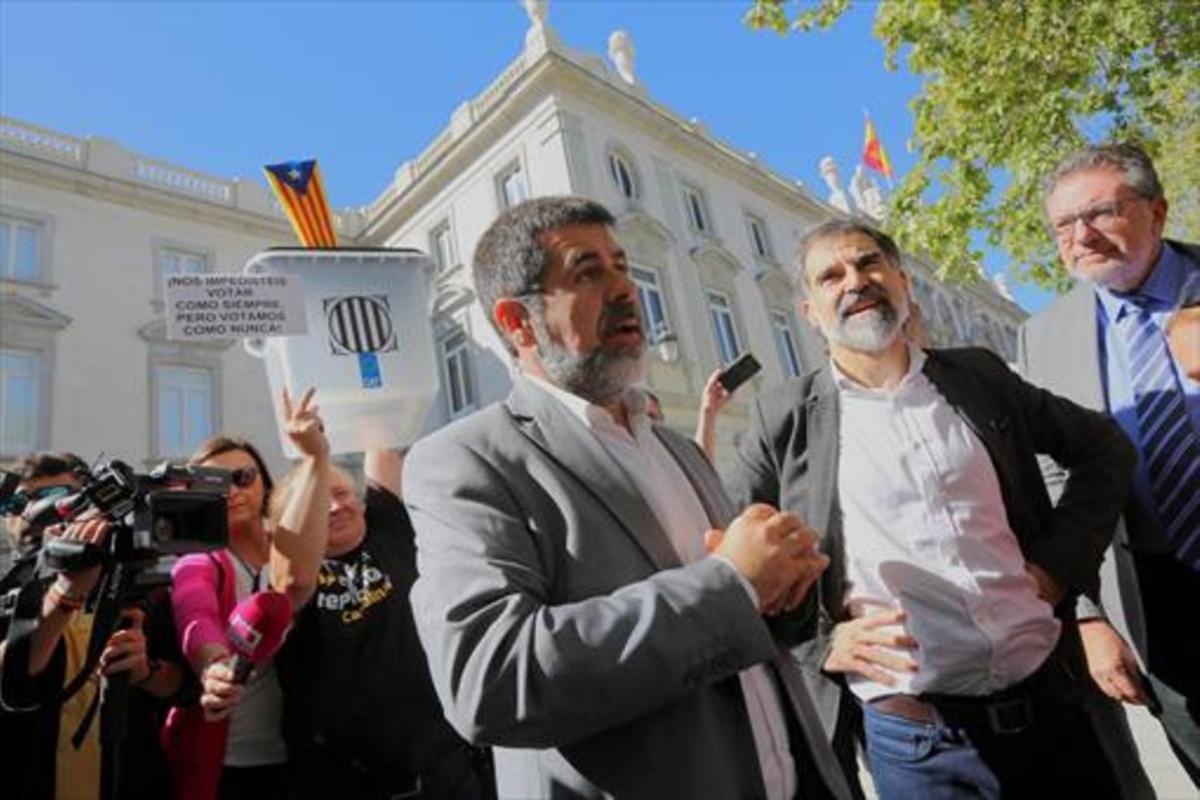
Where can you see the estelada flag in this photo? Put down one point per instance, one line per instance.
(299, 188)
(874, 156)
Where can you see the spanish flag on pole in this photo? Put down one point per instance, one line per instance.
(299, 188)
(874, 156)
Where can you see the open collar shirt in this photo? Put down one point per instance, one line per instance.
(675, 504)
(926, 531)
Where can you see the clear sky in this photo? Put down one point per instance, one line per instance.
(225, 87)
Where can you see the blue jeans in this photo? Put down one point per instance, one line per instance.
(929, 761)
(1056, 757)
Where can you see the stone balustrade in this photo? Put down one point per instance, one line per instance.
(184, 181)
(108, 158)
(23, 136)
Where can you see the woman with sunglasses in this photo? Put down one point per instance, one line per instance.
(230, 746)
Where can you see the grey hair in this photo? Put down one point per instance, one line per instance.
(510, 260)
(1127, 158)
(841, 227)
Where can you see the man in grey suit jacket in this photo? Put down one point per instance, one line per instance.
(944, 613)
(586, 604)
(1107, 211)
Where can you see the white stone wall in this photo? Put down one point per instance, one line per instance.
(101, 234)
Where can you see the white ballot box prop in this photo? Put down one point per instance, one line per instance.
(369, 346)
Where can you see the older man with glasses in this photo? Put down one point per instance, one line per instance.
(1123, 341)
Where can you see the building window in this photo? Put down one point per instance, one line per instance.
(697, 210)
(620, 169)
(20, 385)
(511, 185)
(758, 237)
(186, 417)
(20, 249)
(724, 328)
(456, 374)
(441, 246)
(654, 306)
(785, 342)
(174, 261)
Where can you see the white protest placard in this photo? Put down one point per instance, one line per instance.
(234, 306)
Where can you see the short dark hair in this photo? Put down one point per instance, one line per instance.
(842, 227)
(1125, 157)
(510, 260)
(44, 465)
(216, 445)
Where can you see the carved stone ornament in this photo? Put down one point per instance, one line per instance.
(829, 173)
(620, 50)
(536, 10)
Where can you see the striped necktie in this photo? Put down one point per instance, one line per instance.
(1170, 447)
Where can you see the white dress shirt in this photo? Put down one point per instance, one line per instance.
(926, 531)
(675, 504)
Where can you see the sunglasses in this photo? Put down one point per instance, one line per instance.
(21, 500)
(244, 477)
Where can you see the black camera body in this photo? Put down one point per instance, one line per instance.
(169, 511)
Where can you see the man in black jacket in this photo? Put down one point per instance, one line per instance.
(946, 612)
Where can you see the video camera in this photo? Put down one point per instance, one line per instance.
(171, 510)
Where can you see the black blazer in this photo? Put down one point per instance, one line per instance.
(789, 459)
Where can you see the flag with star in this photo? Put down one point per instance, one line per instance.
(299, 188)
(874, 156)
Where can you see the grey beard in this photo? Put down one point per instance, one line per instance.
(871, 331)
(600, 377)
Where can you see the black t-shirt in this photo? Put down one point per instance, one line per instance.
(355, 680)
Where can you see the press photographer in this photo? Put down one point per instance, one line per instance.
(97, 577)
(39, 477)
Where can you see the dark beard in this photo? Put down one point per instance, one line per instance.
(601, 376)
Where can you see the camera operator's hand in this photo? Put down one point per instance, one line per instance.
(304, 425)
(74, 587)
(68, 592)
(219, 694)
(126, 650)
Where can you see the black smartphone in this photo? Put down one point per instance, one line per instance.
(739, 372)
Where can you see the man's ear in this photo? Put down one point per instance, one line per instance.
(513, 320)
(805, 307)
(1158, 211)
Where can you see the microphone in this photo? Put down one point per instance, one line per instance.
(256, 630)
(55, 508)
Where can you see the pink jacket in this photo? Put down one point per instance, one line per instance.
(203, 594)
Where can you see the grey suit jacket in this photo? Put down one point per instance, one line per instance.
(561, 627)
(1059, 348)
(790, 459)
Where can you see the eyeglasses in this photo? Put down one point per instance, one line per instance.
(21, 500)
(244, 477)
(1102, 217)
